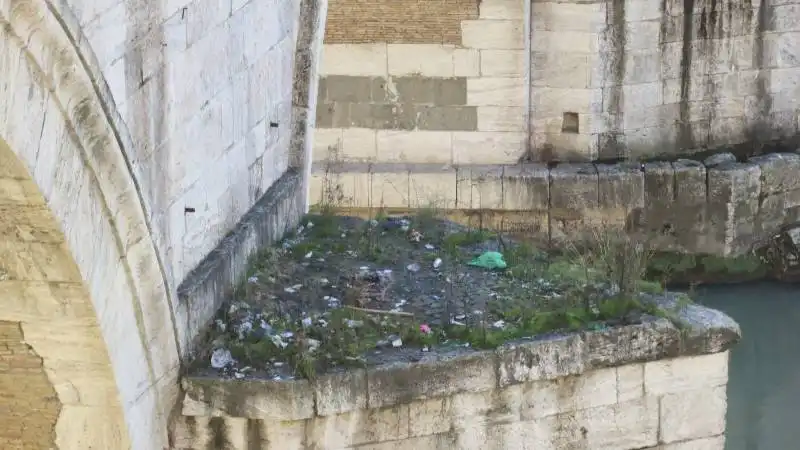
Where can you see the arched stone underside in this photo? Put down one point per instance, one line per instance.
(84, 281)
(55, 375)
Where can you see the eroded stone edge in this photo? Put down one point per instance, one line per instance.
(692, 330)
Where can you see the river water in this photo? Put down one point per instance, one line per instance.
(764, 384)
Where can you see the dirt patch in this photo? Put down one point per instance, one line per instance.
(343, 291)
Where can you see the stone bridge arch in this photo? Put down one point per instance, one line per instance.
(86, 326)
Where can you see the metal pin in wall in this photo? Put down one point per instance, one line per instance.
(188, 210)
(273, 124)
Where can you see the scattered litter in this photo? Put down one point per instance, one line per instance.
(437, 263)
(293, 289)
(500, 324)
(489, 260)
(307, 322)
(430, 247)
(414, 236)
(221, 358)
(396, 341)
(425, 328)
(354, 323)
(309, 255)
(413, 267)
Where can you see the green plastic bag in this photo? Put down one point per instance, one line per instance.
(489, 260)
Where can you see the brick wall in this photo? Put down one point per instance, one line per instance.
(398, 21)
(29, 407)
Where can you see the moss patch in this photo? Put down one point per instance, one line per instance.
(687, 269)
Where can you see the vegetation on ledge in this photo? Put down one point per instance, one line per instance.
(343, 291)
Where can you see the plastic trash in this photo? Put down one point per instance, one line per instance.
(489, 260)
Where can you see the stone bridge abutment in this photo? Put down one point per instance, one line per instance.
(133, 137)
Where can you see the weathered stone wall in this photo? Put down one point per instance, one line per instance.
(203, 90)
(134, 135)
(436, 81)
(720, 207)
(649, 78)
(604, 79)
(647, 386)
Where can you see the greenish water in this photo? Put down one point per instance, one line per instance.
(764, 384)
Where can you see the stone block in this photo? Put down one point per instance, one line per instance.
(732, 206)
(358, 427)
(483, 187)
(444, 441)
(350, 89)
(254, 399)
(487, 147)
(630, 382)
(648, 341)
(496, 406)
(502, 63)
(620, 186)
(413, 89)
(466, 62)
(778, 172)
(431, 416)
(690, 373)
(692, 414)
(712, 443)
(493, 436)
(581, 17)
(558, 41)
(555, 101)
(354, 59)
(385, 187)
(541, 359)
(434, 377)
(447, 118)
(358, 144)
(574, 187)
(501, 9)
(492, 34)
(337, 393)
(501, 118)
(414, 146)
(526, 187)
(590, 390)
(487, 91)
(450, 91)
(433, 186)
(327, 144)
(560, 70)
(659, 197)
(643, 66)
(428, 60)
(621, 426)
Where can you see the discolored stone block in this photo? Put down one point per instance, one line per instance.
(620, 186)
(732, 206)
(342, 88)
(527, 187)
(779, 172)
(574, 187)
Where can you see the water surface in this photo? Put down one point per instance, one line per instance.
(764, 384)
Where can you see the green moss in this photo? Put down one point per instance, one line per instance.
(685, 268)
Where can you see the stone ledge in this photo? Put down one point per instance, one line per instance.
(205, 288)
(719, 206)
(699, 331)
